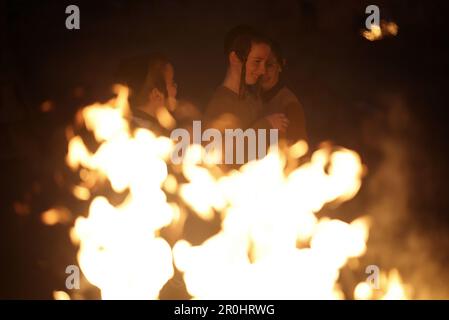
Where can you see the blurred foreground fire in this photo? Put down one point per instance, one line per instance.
(271, 244)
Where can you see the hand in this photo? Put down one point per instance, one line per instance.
(278, 121)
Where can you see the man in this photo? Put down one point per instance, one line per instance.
(153, 90)
(236, 104)
(153, 97)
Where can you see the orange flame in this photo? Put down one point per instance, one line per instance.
(265, 213)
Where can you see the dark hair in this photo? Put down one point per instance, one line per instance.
(277, 51)
(239, 40)
(155, 77)
(143, 74)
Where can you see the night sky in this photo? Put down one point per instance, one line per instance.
(385, 99)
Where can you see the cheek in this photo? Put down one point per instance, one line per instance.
(250, 69)
(268, 76)
(271, 76)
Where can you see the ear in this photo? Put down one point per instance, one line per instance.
(234, 59)
(156, 95)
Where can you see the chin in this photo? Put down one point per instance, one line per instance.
(266, 86)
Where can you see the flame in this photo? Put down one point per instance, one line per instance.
(379, 32)
(266, 214)
(165, 118)
(81, 192)
(363, 291)
(120, 251)
(391, 288)
(61, 295)
(298, 149)
(395, 289)
(55, 215)
(271, 243)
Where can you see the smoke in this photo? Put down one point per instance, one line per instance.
(402, 236)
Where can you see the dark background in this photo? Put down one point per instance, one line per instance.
(385, 99)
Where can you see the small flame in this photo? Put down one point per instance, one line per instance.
(165, 118)
(391, 288)
(55, 216)
(61, 295)
(298, 149)
(363, 291)
(81, 193)
(379, 32)
(395, 288)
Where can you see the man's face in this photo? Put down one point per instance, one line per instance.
(271, 76)
(257, 59)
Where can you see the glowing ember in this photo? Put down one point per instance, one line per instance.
(21, 208)
(47, 106)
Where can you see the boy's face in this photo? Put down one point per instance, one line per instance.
(257, 59)
(271, 76)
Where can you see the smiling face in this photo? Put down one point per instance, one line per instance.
(256, 62)
(271, 76)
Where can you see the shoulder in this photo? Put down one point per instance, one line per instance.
(222, 99)
(283, 101)
(140, 119)
(287, 96)
(223, 93)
